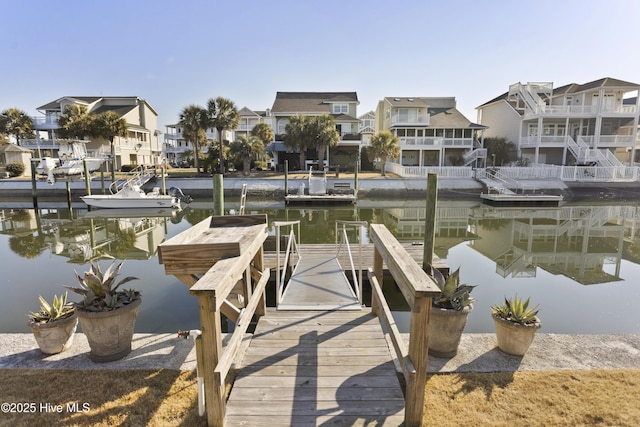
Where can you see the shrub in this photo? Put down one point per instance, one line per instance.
(127, 168)
(15, 169)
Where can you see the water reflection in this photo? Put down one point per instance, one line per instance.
(543, 253)
(584, 243)
(89, 237)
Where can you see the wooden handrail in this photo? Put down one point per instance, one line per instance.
(231, 350)
(418, 290)
(384, 313)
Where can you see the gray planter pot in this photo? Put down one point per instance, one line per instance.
(445, 330)
(514, 338)
(109, 333)
(55, 337)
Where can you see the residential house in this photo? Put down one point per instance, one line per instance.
(432, 132)
(576, 124)
(341, 105)
(140, 146)
(177, 148)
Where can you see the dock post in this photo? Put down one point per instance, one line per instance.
(87, 178)
(164, 176)
(218, 194)
(102, 178)
(34, 187)
(113, 169)
(355, 179)
(430, 223)
(286, 177)
(68, 183)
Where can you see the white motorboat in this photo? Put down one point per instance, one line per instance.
(132, 197)
(70, 162)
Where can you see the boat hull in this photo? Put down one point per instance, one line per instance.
(115, 202)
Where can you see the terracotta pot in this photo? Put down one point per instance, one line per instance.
(55, 337)
(109, 332)
(445, 330)
(514, 338)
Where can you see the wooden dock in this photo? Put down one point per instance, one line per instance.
(415, 251)
(320, 367)
(317, 368)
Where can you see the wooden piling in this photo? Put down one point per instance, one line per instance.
(286, 177)
(218, 194)
(34, 187)
(87, 178)
(430, 223)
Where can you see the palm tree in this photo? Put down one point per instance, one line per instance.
(500, 150)
(108, 125)
(75, 122)
(384, 146)
(324, 133)
(245, 148)
(193, 119)
(17, 123)
(297, 136)
(264, 133)
(223, 114)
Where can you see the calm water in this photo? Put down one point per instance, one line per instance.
(580, 263)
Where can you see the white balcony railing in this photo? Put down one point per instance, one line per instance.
(569, 110)
(436, 142)
(420, 119)
(45, 122)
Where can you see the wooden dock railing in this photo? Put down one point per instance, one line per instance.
(418, 290)
(211, 258)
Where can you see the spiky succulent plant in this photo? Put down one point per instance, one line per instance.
(517, 311)
(59, 309)
(100, 290)
(453, 295)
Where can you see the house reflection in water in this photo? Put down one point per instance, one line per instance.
(92, 236)
(584, 243)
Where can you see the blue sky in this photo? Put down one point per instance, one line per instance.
(176, 53)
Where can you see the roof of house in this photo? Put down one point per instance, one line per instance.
(244, 111)
(344, 118)
(450, 118)
(4, 148)
(397, 101)
(121, 110)
(55, 105)
(575, 88)
(604, 82)
(310, 102)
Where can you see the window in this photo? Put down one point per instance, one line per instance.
(407, 115)
(282, 126)
(340, 108)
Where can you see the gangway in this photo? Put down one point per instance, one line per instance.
(318, 281)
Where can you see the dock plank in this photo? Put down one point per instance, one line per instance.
(316, 368)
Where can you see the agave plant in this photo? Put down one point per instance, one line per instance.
(516, 311)
(100, 290)
(59, 309)
(453, 295)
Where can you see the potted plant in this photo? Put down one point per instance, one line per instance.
(516, 325)
(54, 325)
(107, 315)
(449, 313)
